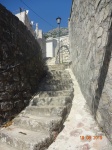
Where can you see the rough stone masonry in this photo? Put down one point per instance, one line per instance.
(21, 65)
(90, 27)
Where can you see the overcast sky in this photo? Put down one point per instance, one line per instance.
(47, 11)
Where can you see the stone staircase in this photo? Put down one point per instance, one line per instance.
(37, 126)
(50, 61)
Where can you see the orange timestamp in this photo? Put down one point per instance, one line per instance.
(88, 137)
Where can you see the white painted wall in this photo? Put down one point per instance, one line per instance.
(52, 45)
(49, 48)
(38, 34)
(41, 39)
(23, 16)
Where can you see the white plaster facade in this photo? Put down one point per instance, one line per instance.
(23, 16)
(41, 39)
(52, 45)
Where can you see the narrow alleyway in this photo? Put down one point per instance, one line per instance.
(72, 105)
(41, 123)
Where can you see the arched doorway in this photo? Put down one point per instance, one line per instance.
(64, 54)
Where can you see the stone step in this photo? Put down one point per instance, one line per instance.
(57, 67)
(4, 146)
(53, 101)
(46, 110)
(35, 123)
(57, 78)
(51, 61)
(22, 139)
(56, 93)
(51, 87)
(57, 82)
(59, 73)
(61, 77)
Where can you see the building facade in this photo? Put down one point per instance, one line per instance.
(51, 45)
(38, 34)
(41, 39)
(23, 16)
(53, 50)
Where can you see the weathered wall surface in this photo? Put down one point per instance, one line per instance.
(104, 109)
(64, 49)
(91, 46)
(21, 65)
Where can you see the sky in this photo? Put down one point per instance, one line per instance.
(44, 12)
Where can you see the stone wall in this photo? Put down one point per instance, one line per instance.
(104, 109)
(21, 65)
(91, 46)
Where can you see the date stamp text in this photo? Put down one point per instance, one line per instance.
(88, 137)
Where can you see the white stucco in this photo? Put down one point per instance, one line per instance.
(23, 16)
(38, 34)
(52, 45)
(49, 48)
(41, 39)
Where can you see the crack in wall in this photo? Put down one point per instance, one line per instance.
(103, 73)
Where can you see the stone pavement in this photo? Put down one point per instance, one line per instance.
(81, 132)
